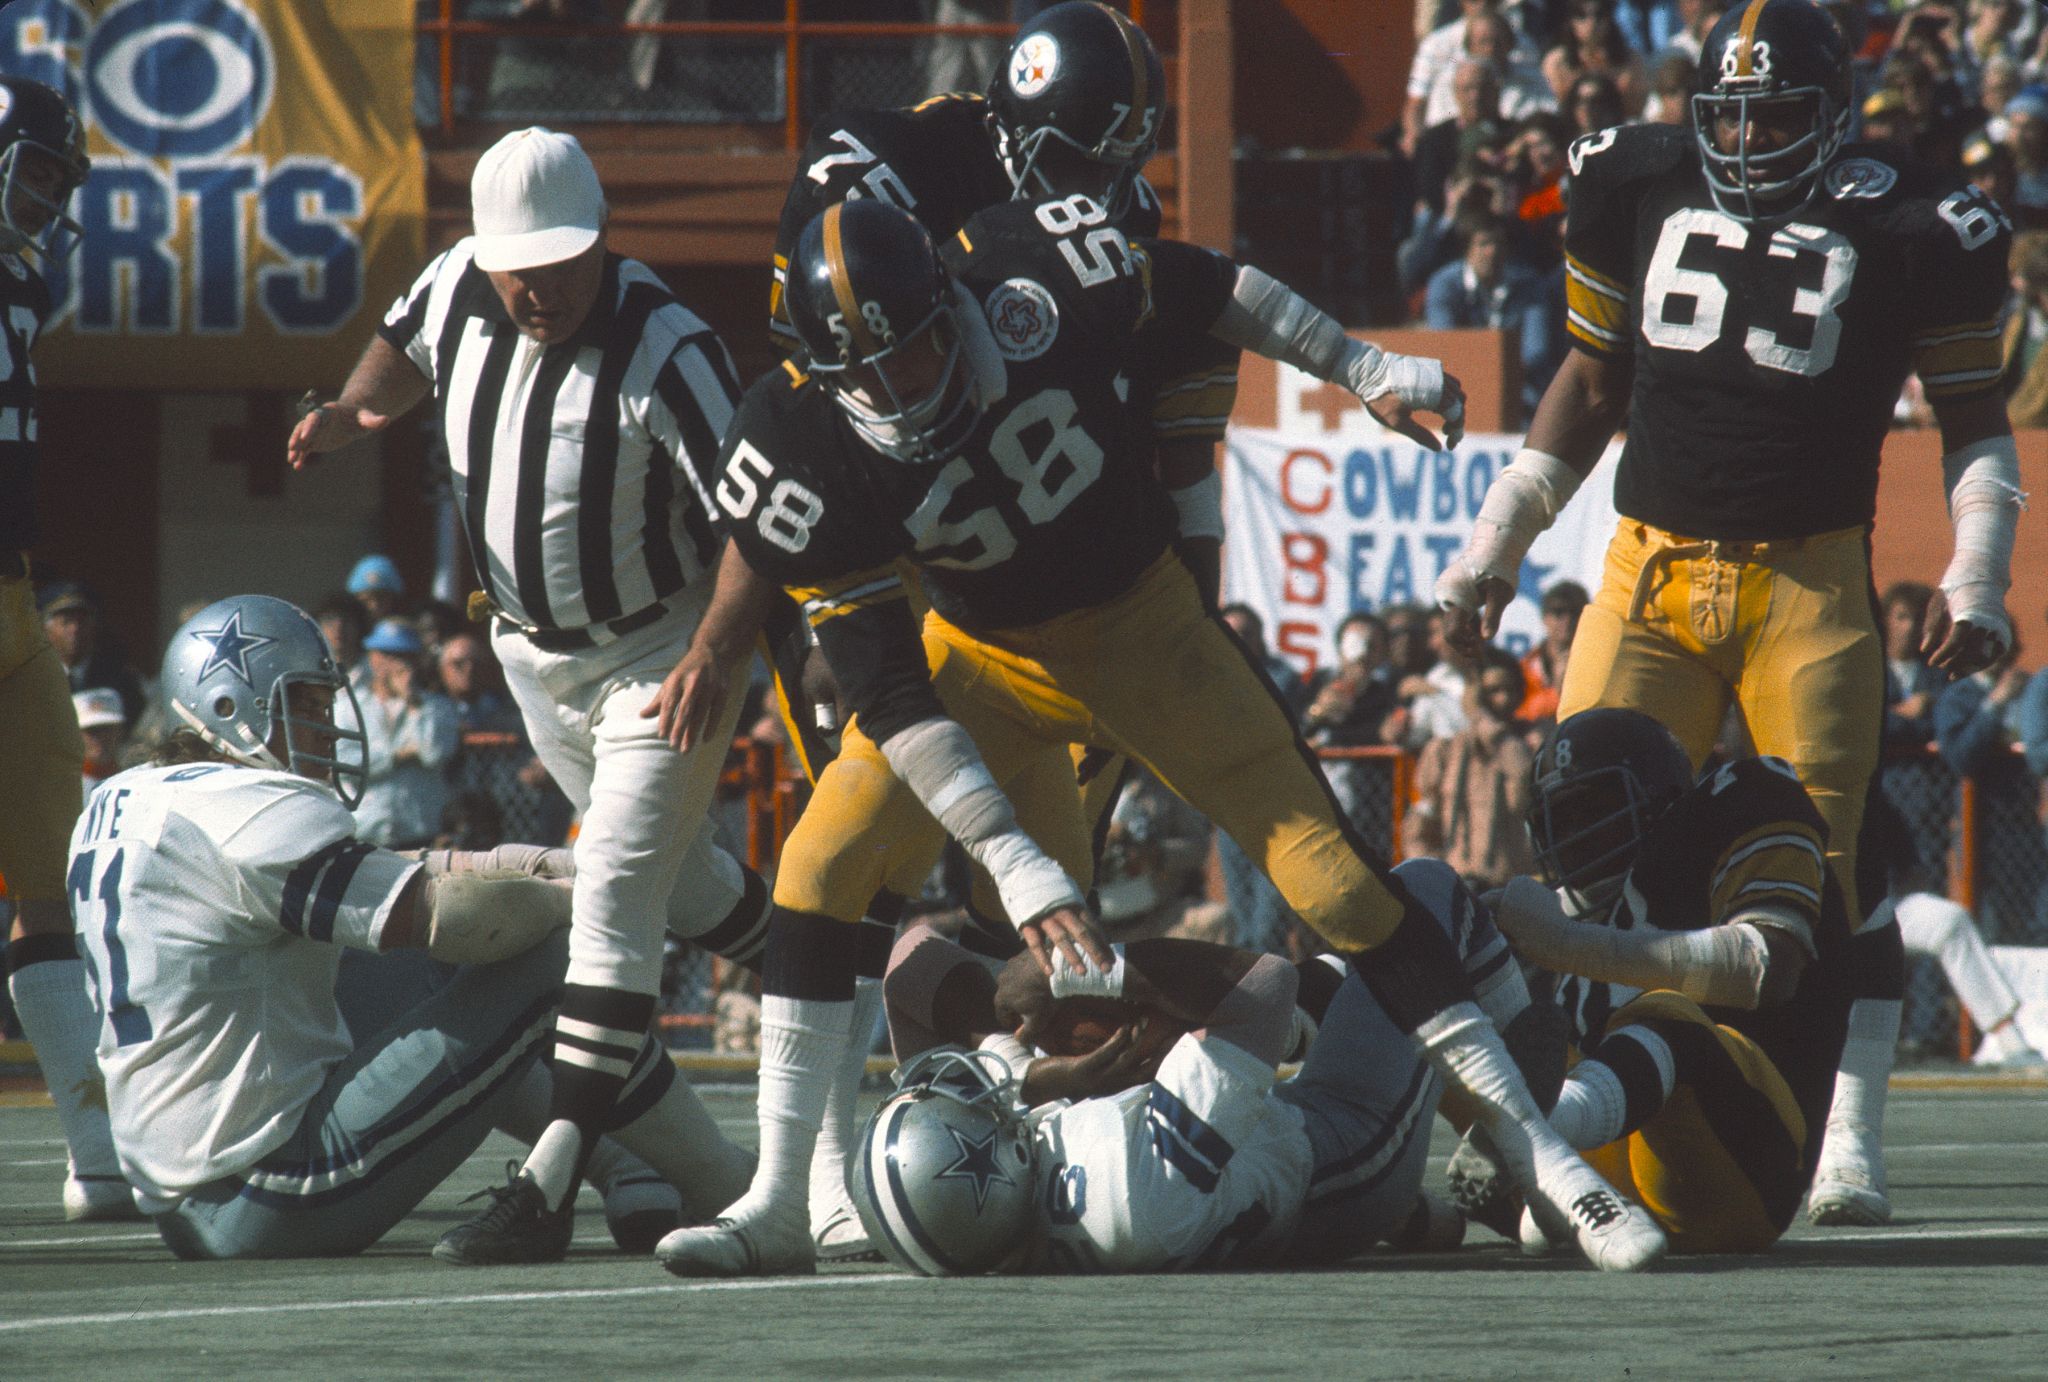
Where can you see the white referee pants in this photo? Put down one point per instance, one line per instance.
(645, 828)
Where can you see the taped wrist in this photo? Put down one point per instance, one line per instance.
(1268, 318)
(1984, 502)
(531, 861)
(1523, 501)
(476, 918)
(1722, 965)
(1200, 507)
(938, 761)
(1014, 1053)
(1087, 982)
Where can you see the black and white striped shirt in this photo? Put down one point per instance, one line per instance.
(582, 468)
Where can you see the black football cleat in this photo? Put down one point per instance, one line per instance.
(518, 1228)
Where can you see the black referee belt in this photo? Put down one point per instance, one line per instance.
(575, 640)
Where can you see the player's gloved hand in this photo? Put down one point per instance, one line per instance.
(1073, 931)
(1472, 603)
(1117, 1064)
(690, 699)
(1412, 382)
(1963, 644)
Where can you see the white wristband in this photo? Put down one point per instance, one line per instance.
(1523, 501)
(1200, 506)
(1068, 982)
(1027, 879)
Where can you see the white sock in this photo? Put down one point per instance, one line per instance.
(59, 1021)
(1863, 1078)
(553, 1160)
(802, 1042)
(1468, 1052)
(836, 1136)
(1592, 1110)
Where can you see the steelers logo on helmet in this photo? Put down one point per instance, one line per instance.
(1024, 319)
(1034, 64)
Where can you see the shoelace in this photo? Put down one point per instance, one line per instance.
(504, 1200)
(1597, 1208)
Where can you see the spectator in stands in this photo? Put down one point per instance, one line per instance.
(71, 619)
(2030, 721)
(106, 733)
(1673, 83)
(1490, 288)
(1997, 84)
(1437, 710)
(470, 679)
(1410, 652)
(437, 621)
(1535, 166)
(954, 63)
(412, 732)
(1935, 116)
(1691, 19)
(1348, 710)
(1472, 788)
(378, 588)
(1976, 728)
(344, 625)
(1989, 37)
(1884, 119)
(1244, 621)
(1543, 666)
(1592, 45)
(1592, 103)
(1492, 42)
(2026, 331)
(2027, 117)
(1467, 143)
(1438, 53)
(470, 820)
(1911, 687)
(1155, 859)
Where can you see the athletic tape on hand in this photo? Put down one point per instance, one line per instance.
(1089, 982)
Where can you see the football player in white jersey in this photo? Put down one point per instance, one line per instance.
(213, 890)
(1210, 1162)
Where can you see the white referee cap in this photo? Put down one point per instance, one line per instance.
(535, 200)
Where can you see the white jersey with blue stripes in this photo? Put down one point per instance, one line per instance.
(210, 900)
(1202, 1167)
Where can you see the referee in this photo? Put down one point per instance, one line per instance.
(583, 408)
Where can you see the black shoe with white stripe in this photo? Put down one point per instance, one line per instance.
(517, 1228)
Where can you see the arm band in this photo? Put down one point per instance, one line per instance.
(1011, 1050)
(938, 761)
(1200, 506)
(1984, 502)
(475, 918)
(1068, 982)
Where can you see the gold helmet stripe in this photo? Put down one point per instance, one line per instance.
(1141, 85)
(1745, 50)
(842, 284)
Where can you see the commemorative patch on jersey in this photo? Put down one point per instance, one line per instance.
(1864, 178)
(1035, 63)
(1024, 318)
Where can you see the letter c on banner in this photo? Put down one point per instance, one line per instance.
(1322, 499)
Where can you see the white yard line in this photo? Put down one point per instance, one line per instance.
(412, 1303)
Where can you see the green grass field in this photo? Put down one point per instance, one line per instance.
(1957, 1286)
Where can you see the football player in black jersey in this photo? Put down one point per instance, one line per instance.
(1075, 108)
(1700, 947)
(963, 414)
(1749, 296)
(42, 162)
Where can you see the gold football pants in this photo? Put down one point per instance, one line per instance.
(1149, 675)
(42, 754)
(1721, 1165)
(1682, 626)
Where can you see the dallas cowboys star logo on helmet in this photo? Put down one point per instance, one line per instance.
(230, 649)
(977, 1163)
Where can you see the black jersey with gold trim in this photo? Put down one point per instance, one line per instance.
(1052, 505)
(935, 160)
(1746, 836)
(24, 307)
(1768, 356)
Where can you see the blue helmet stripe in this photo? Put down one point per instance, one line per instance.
(901, 1200)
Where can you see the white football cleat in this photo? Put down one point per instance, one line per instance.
(98, 1199)
(1846, 1194)
(749, 1243)
(1615, 1235)
(1535, 1239)
(842, 1237)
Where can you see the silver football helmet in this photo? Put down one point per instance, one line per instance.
(943, 1173)
(228, 676)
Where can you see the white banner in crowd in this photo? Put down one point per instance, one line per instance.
(1322, 521)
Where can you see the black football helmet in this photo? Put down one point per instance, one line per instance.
(874, 309)
(38, 126)
(1764, 57)
(1077, 105)
(1602, 779)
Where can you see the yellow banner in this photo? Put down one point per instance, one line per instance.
(258, 194)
